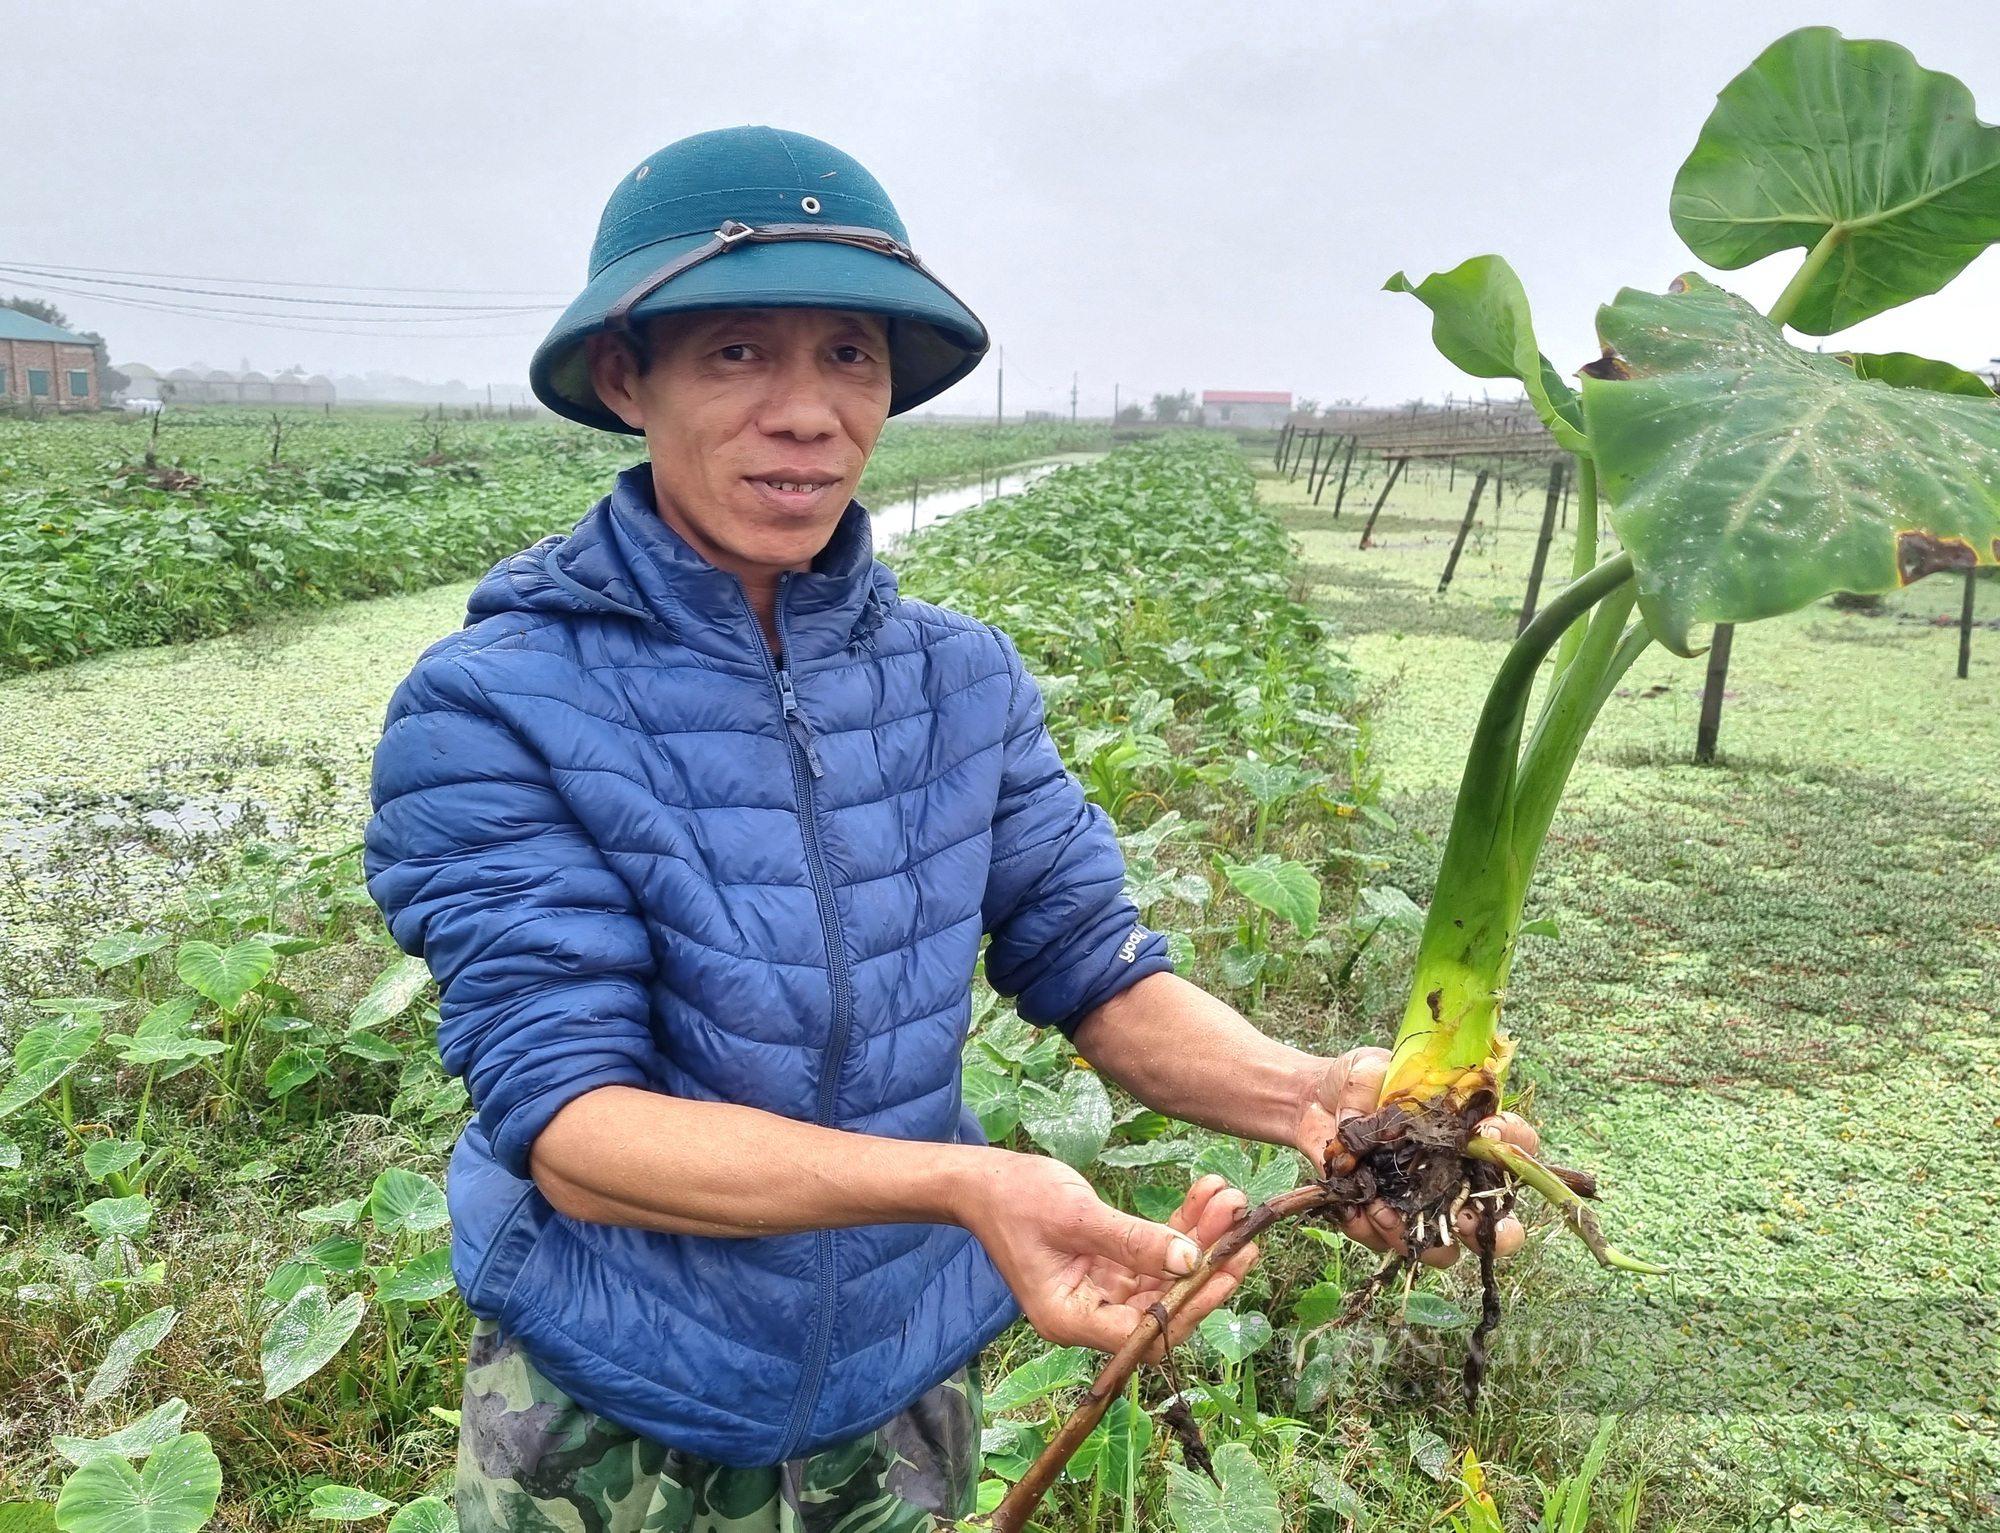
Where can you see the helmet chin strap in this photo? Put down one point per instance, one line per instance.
(733, 234)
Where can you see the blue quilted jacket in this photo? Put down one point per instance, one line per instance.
(637, 849)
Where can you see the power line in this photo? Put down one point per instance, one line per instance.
(483, 310)
(303, 324)
(340, 287)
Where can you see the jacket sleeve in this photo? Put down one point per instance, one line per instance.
(1065, 937)
(535, 942)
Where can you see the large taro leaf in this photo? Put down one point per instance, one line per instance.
(1748, 478)
(1483, 325)
(1245, 1501)
(1906, 370)
(406, 1202)
(1288, 890)
(45, 1054)
(175, 1493)
(426, 1514)
(127, 1347)
(1072, 1122)
(395, 988)
(1821, 134)
(304, 1337)
(225, 974)
(134, 1440)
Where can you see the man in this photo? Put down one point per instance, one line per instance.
(700, 827)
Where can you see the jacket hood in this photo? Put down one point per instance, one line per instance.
(623, 560)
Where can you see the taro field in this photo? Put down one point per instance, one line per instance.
(1759, 1002)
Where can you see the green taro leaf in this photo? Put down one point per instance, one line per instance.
(1238, 966)
(1156, 1201)
(224, 975)
(1821, 135)
(426, 1514)
(346, 1503)
(134, 1440)
(1482, 324)
(119, 1217)
(43, 1056)
(372, 1047)
(1906, 370)
(175, 1493)
(391, 995)
(1439, 1314)
(992, 1096)
(1128, 1434)
(337, 1253)
(107, 1157)
(119, 948)
(1289, 890)
(289, 1277)
(294, 1068)
(305, 1336)
(1245, 1501)
(1318, 1305)
(1060, 1368)
(1748, 478)
(1279, 1173)
(418, 1280)
(1430, 1453)
(1391, 910)
(1072, 1122)
(1272, 782)
(343, 1213)
(1235, 1336)
(162, 1037)
(404, 1202)
(1154, 1152)
(1545, 926)
(27, 1517)
(10, 1160)
(130, 1344)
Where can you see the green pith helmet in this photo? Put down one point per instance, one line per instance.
(756, 218)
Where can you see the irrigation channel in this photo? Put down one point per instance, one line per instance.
(897, 519)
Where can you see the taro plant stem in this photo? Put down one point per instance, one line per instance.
(1505, 802)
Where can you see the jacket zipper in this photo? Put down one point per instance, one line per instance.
(805, 768)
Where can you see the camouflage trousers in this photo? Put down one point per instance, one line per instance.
(531, 1460)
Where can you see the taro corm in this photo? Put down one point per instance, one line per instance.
(1744, 477)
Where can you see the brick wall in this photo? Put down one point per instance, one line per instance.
(57, 360)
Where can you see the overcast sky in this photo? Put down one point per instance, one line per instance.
(1182, 194)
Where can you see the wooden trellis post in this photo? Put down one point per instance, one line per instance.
(1711, 695)
(1318, 436)
(1346, 463)
(1965, 626)
(1464, 527)
(1556, 493)
(1395, 468)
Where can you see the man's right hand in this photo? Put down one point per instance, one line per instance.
(1084, 1273)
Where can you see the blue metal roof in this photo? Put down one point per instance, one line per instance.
(16, 326)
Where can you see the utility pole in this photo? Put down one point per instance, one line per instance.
(1000, 388)
(1072, 399)
(1114, 406)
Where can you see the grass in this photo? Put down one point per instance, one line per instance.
(1769, 1020)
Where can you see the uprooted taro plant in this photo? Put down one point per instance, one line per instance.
(1745, 477)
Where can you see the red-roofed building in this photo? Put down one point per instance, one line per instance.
(1245, 409)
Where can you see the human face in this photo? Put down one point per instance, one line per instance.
(759, 423)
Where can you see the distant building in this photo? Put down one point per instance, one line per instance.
(184, 386)
(43, 366)
(1245, 409)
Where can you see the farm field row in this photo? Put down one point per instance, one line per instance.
(1770, 1018)
(118, 532)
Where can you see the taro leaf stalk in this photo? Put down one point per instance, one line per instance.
(1745, 478)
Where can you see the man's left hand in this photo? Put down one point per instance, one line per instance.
(1350, 1088)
